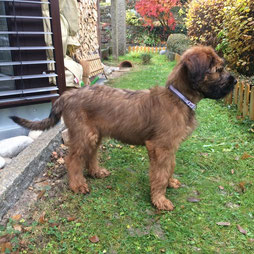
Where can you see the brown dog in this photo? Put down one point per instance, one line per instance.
(159, 118)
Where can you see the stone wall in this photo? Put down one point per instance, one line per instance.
(105, 26)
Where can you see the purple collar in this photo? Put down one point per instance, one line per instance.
(183, 98)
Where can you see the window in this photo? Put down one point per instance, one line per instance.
(31, 55)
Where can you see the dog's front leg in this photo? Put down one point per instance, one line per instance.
(160, 173)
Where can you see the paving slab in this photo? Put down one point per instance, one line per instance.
(18, 175)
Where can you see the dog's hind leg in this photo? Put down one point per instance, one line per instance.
(173, 182)
(92, 162)
(160, 170)
(75, 162)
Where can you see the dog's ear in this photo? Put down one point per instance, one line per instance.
(197, 66)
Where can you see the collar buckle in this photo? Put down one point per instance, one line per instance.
(190, 104)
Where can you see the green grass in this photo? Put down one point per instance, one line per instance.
(118, 209)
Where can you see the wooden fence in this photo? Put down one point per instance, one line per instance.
(243, 97)
(145, 49)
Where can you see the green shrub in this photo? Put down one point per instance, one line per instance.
(204, 19)
(146, 58)
(237, 35)
(177, 43)
(143, 36)
(132, 18)
(227, 26)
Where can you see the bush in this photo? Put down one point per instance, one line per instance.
(177, 43)
(132, 18)
(237, 36)
(146, 58)
(144, 36)
(204, 19)
(227, 26)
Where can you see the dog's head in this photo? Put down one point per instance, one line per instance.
(206, 72)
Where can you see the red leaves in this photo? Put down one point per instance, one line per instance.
(157, 10)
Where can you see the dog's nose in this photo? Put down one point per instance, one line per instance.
(232, 80)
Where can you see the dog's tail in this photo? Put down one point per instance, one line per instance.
(47, 123)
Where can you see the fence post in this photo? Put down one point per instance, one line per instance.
(240, 101)
(252, 103)
(229, 98)
(236, 93)
(246, 100)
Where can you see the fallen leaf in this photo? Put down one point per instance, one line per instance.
(204, 154)
(163, 250)
(109, 187)
(222, 223)
(251, 240)
(242, 186)
(42, 218)
(132, 147)
(41, 194)
(237, 158)
(5, 238)
(94, 239)
(232, 171)
(27, 229)
(71, 219)
(193, 200)
(60, 160)
(54, 225)
(243, 231)
(17, 228)
(54, 155)
(221, 187)
(16, 217)
(4, 246)
(64, 147)
(246, 156)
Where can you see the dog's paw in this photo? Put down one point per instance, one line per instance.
(79, 188)
(163, 204)
(174, 183)
(100, 173)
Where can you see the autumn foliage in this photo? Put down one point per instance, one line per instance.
(227, 26)
(204, 19)
(158, 10)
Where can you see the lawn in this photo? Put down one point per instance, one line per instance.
(213, 208)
